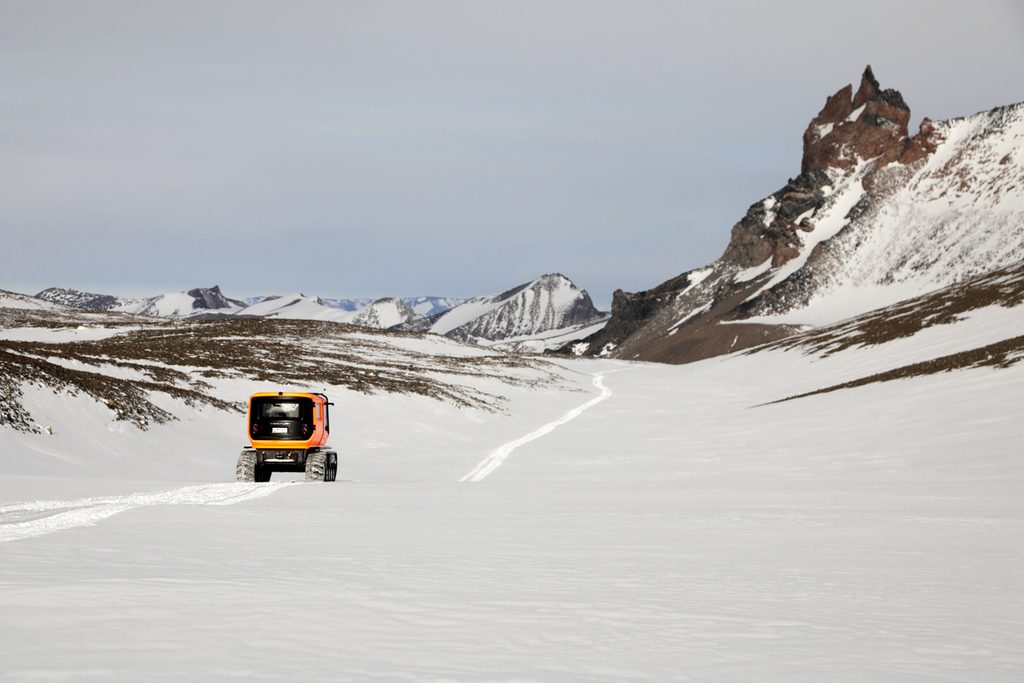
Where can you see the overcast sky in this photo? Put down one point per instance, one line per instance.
(457, 148)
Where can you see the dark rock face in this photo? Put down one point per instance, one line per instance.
(631, 310)
(582, 311)
(211, 299)
(771, 232)
(921, 145)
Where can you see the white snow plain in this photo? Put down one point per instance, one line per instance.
(646, 523)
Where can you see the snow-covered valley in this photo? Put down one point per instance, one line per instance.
(580, 520)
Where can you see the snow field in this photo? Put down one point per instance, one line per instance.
(646, 523)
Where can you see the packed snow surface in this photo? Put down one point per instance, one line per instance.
(628, 522)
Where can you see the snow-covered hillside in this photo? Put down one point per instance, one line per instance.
(956, 214)
(843, 505)
(14, 300)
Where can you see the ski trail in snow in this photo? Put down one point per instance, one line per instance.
(38, 518)
(499, 454)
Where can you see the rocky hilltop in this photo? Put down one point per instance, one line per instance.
(87, 301)
(876, 215)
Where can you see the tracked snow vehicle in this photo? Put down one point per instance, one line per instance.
(288, 432)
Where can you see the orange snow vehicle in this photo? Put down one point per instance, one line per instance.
(288, 432)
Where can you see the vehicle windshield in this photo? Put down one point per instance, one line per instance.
(280, 410)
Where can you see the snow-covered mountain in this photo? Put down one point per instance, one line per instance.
(549, 306)
(875, 216)
(196, 301)
(385, 313)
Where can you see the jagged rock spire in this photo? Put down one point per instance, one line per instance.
(854, 126)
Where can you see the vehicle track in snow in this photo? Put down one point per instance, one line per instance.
(19, 521)
(496, 457)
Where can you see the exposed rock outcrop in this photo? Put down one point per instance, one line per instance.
(75, 298)
(211, 298)
(851, 127)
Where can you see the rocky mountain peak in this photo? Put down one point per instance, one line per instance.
(211, 298)
(852, 127)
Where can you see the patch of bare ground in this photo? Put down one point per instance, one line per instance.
(1002, 287)
(178, 358)
(999, 355)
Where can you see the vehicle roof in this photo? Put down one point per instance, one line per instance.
(288, 394)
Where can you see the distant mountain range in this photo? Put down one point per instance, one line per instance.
(537, 315)
(171, 305)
